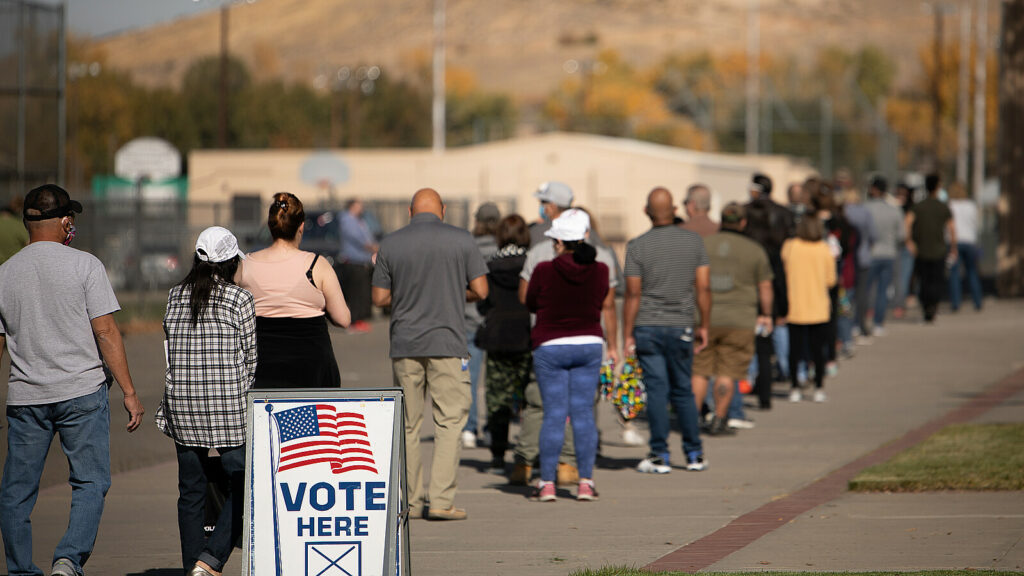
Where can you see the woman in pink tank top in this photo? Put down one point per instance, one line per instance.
(296, 293)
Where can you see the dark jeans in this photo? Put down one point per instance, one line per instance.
(804, 337)
(968, 261)
(355, 283)
(764, 349)
(666, 358)
(881, 277)
(932, 276)
(194, 471)
(862, 300)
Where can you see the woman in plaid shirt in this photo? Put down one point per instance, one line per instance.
(211, 360)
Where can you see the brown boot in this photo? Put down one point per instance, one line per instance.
(568, 475)
(520, 475)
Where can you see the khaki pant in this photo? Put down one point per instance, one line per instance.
(448, 385)
(527, 449)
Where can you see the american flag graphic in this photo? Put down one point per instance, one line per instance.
(318, 433)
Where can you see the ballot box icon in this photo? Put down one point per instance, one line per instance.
(334, 559)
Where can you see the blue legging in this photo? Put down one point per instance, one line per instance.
(568, 377)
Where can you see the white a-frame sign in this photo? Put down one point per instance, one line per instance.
(325, 486)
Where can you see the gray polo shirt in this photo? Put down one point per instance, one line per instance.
(49, 294)
(666, 259)
(889, 225)
(428, 265)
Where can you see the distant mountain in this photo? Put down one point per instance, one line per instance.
(515, 46)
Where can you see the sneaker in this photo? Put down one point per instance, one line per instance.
(452, 513)
(586, 491)
(468, 439)
(864, 341)
(63, 567)
(360, 327)
(795, 395)
(544, 492)
(878, 332)
(196, 570)
(819, 395)
(831, 369)
(740, 424)
(695, 462)
(520, 475)
(720, 427)
(654, 465)
(630, 437)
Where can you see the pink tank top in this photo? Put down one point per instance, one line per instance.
(281, 289)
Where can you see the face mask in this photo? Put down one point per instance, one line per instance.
(544, 215)
(71, 235)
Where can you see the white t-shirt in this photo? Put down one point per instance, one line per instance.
(49, 294)
(965, 220)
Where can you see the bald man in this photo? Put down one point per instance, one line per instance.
(426, 272)
(667, 279)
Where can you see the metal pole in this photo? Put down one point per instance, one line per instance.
(826, 136)
(439, 83)
(980, 83)
(937, 90)
(222, 129)
(964, 80)
(62, 114)
(753, 74)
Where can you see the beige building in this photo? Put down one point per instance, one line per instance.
(610, 176)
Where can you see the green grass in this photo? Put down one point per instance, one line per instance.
(959, 457)
(623, 571)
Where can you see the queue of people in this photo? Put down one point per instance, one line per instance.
(706, 305)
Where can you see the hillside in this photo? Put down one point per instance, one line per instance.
(514, 46)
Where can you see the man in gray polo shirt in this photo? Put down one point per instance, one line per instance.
(426, 272)
(667, 279)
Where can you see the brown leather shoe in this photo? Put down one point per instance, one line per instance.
(520, 475)
(568, 475)
(452, 513)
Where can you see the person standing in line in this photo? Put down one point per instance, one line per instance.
(839, 238)
(867, 235)
(505, 334)
(484, 228)
(667, 280)
(357, 249)
(965, 221)
(905, 264)
(568, 295)
(698, 206)
(296, 293)
(889, 226)
(555, 198)
(741, 297)
(13, 236)
(426, 272)
(810, 275)
(210, 326)
(930, 223)
(56, 320)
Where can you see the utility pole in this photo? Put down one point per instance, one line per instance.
(222, 109)
(980, 94)
(439, 83)
(963, 89)
(753, 74)
(1010, 267)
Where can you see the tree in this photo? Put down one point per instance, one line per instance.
(200, 87)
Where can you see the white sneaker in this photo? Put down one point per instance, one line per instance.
(468, 439)
(864, 341)
(795, 395)
(653, 465)
(878, 331)
(740, 424)
(819, 396)
(631, 437)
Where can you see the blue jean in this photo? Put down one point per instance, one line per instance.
(84, 427)
(968, 256)
(880, 276)
(568, 376)
(194, 471)
(666, 357)
(476, 359)
(906, 274)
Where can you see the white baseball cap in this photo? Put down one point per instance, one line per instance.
(216, 244)
(557, 193)
(569, 226)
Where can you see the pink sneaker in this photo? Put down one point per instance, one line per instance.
(586, 491)
(544, 492)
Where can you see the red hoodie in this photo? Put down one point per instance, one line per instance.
(567, 298)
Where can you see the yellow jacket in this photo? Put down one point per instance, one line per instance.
(810, 272)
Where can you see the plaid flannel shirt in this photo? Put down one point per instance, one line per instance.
(210, 367)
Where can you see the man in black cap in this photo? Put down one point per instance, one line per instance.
(56, 318)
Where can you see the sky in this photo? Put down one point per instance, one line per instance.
(99, 17)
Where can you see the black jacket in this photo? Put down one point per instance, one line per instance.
(506, 326)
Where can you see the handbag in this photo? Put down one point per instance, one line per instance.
(626, 390)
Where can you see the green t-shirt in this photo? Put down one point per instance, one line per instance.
(930, 217)
(738, 264)
(13, 236)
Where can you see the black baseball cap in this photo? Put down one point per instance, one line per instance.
(49, 201)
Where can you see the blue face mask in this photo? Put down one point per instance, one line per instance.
(544, 215)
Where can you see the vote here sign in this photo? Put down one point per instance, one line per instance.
(324, 483)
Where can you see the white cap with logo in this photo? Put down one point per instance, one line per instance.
(217, 244)
(571, 225)
(557, 193)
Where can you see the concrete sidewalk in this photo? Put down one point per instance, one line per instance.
(912, 376)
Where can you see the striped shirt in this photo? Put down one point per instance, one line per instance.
(210, 366)
(666, 259)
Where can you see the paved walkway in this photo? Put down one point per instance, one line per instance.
(714, 520)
